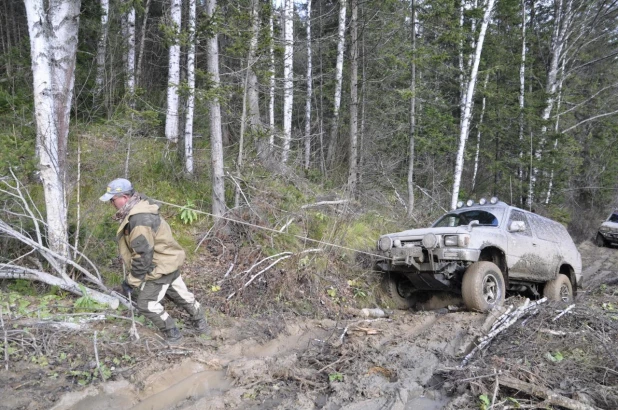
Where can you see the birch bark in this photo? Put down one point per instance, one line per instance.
(188, 138)
(352, 161)
(288, 77)
(130, 50)
(332, 144)
(271, 89)
(216, 138)
(53, 28)
(102, 49)
(309, 91)
(522, 89)
(478, 134)
(411, 145)
(142, 43)
(467, 114)
(173, 79)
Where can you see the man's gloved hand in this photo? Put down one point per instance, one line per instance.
(126, 288)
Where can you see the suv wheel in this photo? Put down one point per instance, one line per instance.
(399, 291)
(559, 289)
(600, 240)
(483, 287)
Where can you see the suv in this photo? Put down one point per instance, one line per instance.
(480, 251)
(608, 231)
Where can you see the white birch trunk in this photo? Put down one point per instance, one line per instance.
(216, 137)
(188, 140)
(460, 61)
(561, 22)
(309, 91)
(130, 48)
(352, 161)
(173, 79)
(522, 88)
(288, 77)
(478, 135)
(271, 89)
(142, 44)
(467, 114)
(556, 129)
(252, 81)
(332, 145)
(411, 146)
(102, 48)
(53, 28)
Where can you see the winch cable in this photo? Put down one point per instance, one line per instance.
(264, 228)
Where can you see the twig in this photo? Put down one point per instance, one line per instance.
(332, 364)
(96, 357)
(563, 312)
(344, 333)
(496, 385)
(6, 342)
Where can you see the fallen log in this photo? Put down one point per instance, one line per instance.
(549, 395)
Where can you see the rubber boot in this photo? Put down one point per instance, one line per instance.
(201, 326)
(172, 336)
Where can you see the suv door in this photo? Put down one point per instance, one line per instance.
(548, 233)
(526, 256)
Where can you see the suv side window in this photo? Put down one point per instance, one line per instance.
(545, 229)
(520, 216)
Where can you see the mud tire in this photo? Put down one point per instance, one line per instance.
(600, 241)
(483, 286)
(559, 289)
(395, 294)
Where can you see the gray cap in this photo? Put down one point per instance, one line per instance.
(116, 187)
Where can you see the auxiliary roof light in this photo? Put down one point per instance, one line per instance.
(482, 201)
(460, 204)
(493, 200)
(470, 202)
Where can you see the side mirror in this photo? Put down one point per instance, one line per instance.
(517, 226)
(472, 223)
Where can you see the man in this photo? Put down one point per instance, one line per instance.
(154, 258)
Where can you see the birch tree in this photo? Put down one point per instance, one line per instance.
(309, 91)
(353, 162)
(478, 133)
(271, 77)
(467, 113)
(216, 137)
(142, 44)
(411, 145)
(53, 28)
(173, 78)
(252, 80)
(102, 49)
(288, 77)
(522, 88)
(130, 49)
(188, 140)
(332, 145)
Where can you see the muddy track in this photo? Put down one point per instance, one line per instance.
(285, 363)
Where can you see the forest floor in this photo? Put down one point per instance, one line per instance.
(284, 360)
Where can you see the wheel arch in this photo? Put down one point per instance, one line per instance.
(498, 257)
(569, 272)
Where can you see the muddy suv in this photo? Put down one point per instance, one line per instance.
(608, 231)
(480, 251)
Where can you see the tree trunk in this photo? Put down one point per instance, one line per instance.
(271, 89)
(332, 143)
(173, 79)
(130, 49)
(255, 120)
(467, 114)
(478, 134)
(353, 164)
(522, 93)
(288, 77)
(411, 154)
(101, 50)
(142, 43)
(188, 140)
(556, 129)
(53, 29)
(218, 187)
(309, 92)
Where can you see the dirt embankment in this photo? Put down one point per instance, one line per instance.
(408, 360)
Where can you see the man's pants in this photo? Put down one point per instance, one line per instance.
(152, 293)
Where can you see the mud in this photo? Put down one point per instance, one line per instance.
(286, 361)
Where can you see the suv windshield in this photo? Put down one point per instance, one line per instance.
(464, 218)
(613, 218)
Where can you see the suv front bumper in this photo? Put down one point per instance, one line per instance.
(424, 260)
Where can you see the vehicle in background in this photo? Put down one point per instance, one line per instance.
(481, 251)
(608, 231)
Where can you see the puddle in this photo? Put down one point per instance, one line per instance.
(425, 403)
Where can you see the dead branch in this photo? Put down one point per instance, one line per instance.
(544, 393)
(18, 272)
(316, 204)
(563, 312)
(6, 342)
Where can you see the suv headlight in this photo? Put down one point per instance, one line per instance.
(457, 240)
(604, 229)
(385, 243)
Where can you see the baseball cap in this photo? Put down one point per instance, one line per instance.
(117, 186)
